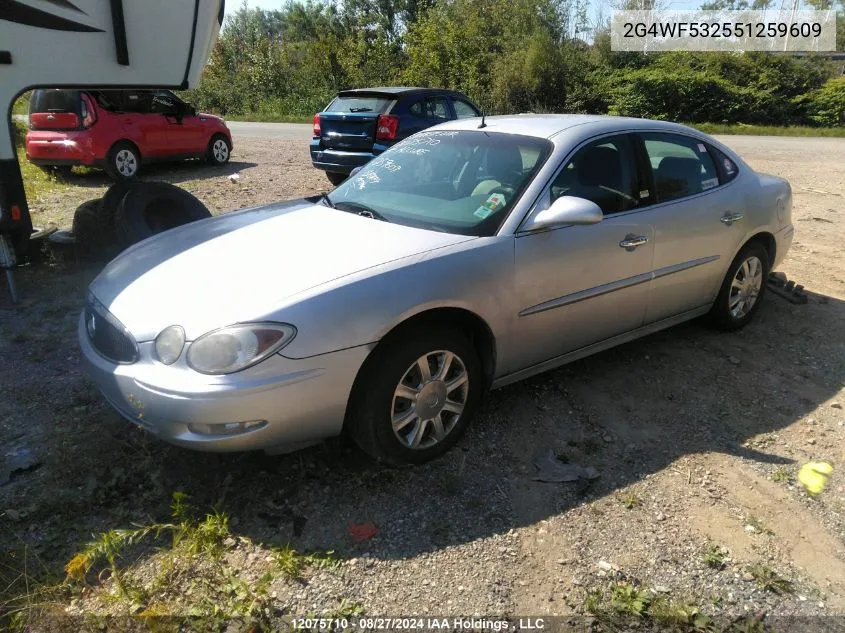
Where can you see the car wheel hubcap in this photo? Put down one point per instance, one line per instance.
(429, 400)
(745, 287)
(126, 163)
(221, 150)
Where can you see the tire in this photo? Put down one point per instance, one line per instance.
(219, 151)
(374, 404)
(154, 207)
(113, 197)
(95, 238)
(336, 178)
(730, 312)
(123, 162)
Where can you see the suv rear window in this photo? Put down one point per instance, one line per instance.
(363, 103)
(54, 101)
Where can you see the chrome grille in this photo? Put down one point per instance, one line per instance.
(108, 336)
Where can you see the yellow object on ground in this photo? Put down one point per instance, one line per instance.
(813, 476)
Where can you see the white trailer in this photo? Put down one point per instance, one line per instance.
(90, 44)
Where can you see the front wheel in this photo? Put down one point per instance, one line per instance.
(742, 289)
(219, 151)
(417, 397)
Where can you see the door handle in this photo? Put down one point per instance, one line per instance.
(633, 241)
(730, 218)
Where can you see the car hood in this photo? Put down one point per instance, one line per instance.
(243, 266)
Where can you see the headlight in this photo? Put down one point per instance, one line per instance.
(169, 344)
(237, 347)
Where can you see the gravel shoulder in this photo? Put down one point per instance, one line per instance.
(697, 437)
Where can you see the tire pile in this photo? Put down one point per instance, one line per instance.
(128, 213)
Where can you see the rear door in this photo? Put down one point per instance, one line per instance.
(146, 129)
(698, 222)
(425, 112)
(349, 122)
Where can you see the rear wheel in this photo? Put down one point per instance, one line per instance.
(219, 151)
(123, 162)
(417, 396)
(742, 289)
(336, 178)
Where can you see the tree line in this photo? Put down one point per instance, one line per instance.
(508, 56)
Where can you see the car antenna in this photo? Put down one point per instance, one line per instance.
(483, 123)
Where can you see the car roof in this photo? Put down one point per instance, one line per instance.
(393, 90)
(550, 125)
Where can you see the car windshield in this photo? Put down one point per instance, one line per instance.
(462, 182)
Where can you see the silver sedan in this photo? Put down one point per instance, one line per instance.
(467, 257)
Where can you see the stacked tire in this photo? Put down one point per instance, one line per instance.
(129, 213)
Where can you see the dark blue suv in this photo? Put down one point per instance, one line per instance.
(360, 124)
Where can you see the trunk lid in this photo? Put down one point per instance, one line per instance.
(349, 121)
(55, 110)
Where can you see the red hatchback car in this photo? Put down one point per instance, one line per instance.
(119, 130)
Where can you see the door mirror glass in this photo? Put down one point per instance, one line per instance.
(566, 210)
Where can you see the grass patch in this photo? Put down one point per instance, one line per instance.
(175, 569)
(783, 476)
(630, 500)
(769, 580)
(37, 183)
(714, 556)
(768, 130)
(21, 105)
(626, 604)
(291, 563)
(757, 526)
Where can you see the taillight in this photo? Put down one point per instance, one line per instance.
(89, 116)
(317, 124)
(386, 127)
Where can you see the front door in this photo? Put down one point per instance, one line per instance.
(578, 285)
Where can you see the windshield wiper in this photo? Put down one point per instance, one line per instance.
(360, 109)
(361, 209)
(324, 198)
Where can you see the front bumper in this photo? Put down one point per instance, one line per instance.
(299, 401)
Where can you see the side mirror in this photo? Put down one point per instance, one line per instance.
(356, 170)
(565, 210)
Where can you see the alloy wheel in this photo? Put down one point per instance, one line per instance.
(429, 399)
(126, 163)
(220, 150)
(745, 287)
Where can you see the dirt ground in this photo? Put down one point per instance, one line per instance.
(697, 437)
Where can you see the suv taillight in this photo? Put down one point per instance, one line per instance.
(317, 124)
(89, 116)
(386, 127)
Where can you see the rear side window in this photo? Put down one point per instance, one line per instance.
(431, 108)
(363, 103)
(43, 101)
(463, 110)
(727, 168)
(681, 166)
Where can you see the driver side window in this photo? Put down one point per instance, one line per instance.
(603, 172)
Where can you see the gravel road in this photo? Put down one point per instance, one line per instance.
(696, 435)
